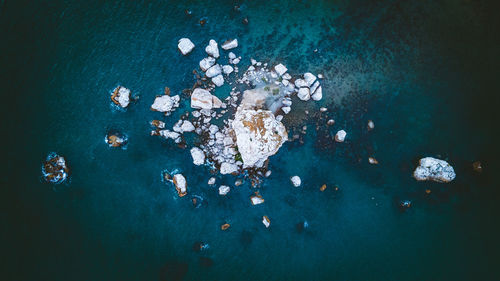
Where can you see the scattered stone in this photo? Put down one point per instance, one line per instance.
(212, 49)
(320, 76)
(370, 125)
(296, 181)
(230, 44)
(266, 221)
(115, 140)
(340, 136)
(322, 188)
(256, 199)
(201, 98)
(477, 166)
(323, 109)
(218, 80)
(231, 56)
(309, 78)
(213, 71)
(206, 63)
(303, 94)
(238, 182)
(225, 226)
(121, 96)
(228, 168)
(318, 94)
(372, 160)
(280, 69)
(286, 110)
(227, 69)
(180, 184)
(185, 46)
(435, 170)
(198, 156)
(158, 124)
(165, 103)
(211, 181)
(330, 122)
(224, 189)
(268, 173)
(54, 169)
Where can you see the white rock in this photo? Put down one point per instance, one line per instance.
(268, 173)
(212, 49)
(286, 109)
(340, 136)
(185, 46)
(201, 98)
(218, 80)
(309, 78)
(256, 199)
(287, 76)
(169, 134)
(206, 63)
(198, 156)
(280, 69)
(231, 56)
(254, 62)
(236, 61)
(224, 189)
(435, 170)
(214, 71)
(228, 168)
(258, 135)
(211, 181)
(323, 109)
(187, 126)
(230, 44)
(227, 69)
(299, 83)
(370, 125)
(122, 96)
(266, 221)
(296, 181)
(217, 103)
(180, 184)
(165, 103)
(318, 95)
(303, 94)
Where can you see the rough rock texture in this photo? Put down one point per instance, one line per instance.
(227, 69)
(54, 169)
(280, 69)
(256, 199)
(228, 168)
(165, 103)
(266, 221)
(340, 136)
(224, 189)
(206, 63)
(201, 98)
(435, 170)
(296, 181)
(218, 80)
(180, 184)
(121, 96)
(214, 71)
(185, 46)
(303, 94)
(258, 135)
(230, 44)
(198, 156)
(212, 49)
(318, 94)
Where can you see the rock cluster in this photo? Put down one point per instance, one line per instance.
(165, 103)
(435, 170)
(54, 169)
(121, 96)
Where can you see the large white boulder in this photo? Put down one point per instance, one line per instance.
(180, 184)
(206, 63)
(318, 94)
(212, 49)
(227, 69)
(228, 168)
(218, 80)
(258, 135)
(303, 94)
(165, 103)
(435, 170)
(185, 46)
(340, 136)
(280, 69)
(296, 181)
(201, 98)
(198, 156)
(214, 71)
(121, 96)
(230, 44)
(224, 189)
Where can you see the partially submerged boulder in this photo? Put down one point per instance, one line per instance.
(198, 156)
(165, 103)
(266, 221)
(115, 140)
(296, 181)
(256, 199)
(230, 44)
(180, 184)
(435, 170)
(224, 189)
(212, 49)
(121, 96)
(185, 46)
(340, 136)
(54, 169)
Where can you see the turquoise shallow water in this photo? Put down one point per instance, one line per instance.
(424, 72)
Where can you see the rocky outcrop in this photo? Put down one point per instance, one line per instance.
(224, 189)
(435, 170)
(115, 140)
(121, 96)
(185, 46)
(165, 103)
(258, 135)
(296, 181)
(212, 49)
(201, 98)
(198, 156)
(180, 184)
(230, 44)
(54, 169)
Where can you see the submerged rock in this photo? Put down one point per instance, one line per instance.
(115, 140)
(212, 49)
(185, 46)
(266, 221)
(340, 136)
(230, 44)
(296, 181)
(165, 103)
(54, 169)
(224, 189)
(121, 96)
(435, 170)
(180, 184)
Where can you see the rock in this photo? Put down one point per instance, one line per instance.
(256, 199)
(218, 80)
(225, 226)
(300, 83)
(320, 76)
(231, 56)
(185, 46)
(115, 140)
(370, 125)
(158, 124)
(230, 44)
(227, 69)
(372, 160)
(268, 173)
(224, 189)
(286, 109)
(258, 135)
(206, 63)
(340, 136)
(228, 168)
(201, 98)
(54, 169)
(198, 156)
(287, 76)
(477, 166)
(180, 184)
(236, 61)
(183, 126)
(216, 102)
(165, 103)
(435, 170)
(253, 61)
(211, 181)
(212, 49)
(330, 122)
(322, 188)
(296, 181)
(309, 78)
(170, 135)
(280, 69)
(323, 109)
(318, 94)
(214, 71)
(121, 96)
(303, 94)
(266, 221)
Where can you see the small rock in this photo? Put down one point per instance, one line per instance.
(121, 96)
(231, 56)
(201, 98)
(218, 80)
(180, 184)
(211, 181)
(224, 189)
(225, 226)
(206, 63)
(370, 125)
(286, 110)
(435, 170)
(266, 221)
(280, 69)
(165, 103)
(372, 160)
(185, 46)
(340, 136)
(198, 156)
(323, 109)
(303, 94)
(54, 169)
(256, 199)
(296, 181)
(477, 166)
(322, 188)
(330, 122)
(230, 44)
(212, 49)
(228, 168)
(318, 94)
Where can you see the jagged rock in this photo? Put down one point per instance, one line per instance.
(370, 125)
(198, 156)
(340, 136)
(211, 181)
(225, 226)
(206, 63)
(121, 96)
(170, 135)
(214, 71)
(180, 184)
(435, 170)
(300, 83)
(231, 56)
(54, 169)
(280, 69)
(322, 188)
(286, 109)
(212, 49)
(372, 160)
(230, 44)
(228, 168)
(266, 221)
(158, 124)
(216, 102)
(201, 98)
(165, 103)
(318, 94)
(115, 140)
(309, 78)
(256, 199)
(185, 46)
(218, 80)
(224, 189)
(296, 181)
(330, 122)
(303, 94)
(258, 135)
(227, 69)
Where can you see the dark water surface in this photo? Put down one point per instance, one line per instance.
(426, 72)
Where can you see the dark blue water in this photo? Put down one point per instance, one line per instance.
(425, 71)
